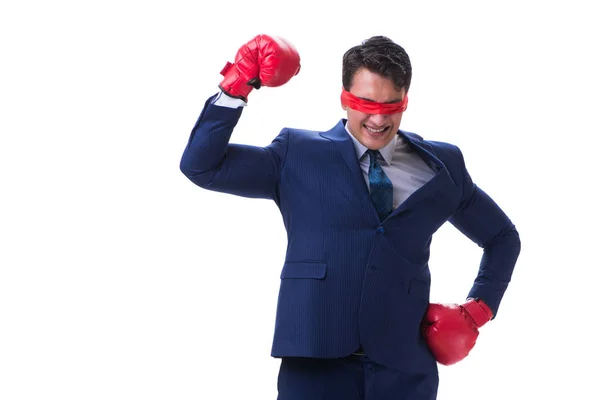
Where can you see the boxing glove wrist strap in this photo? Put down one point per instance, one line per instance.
(478, 311)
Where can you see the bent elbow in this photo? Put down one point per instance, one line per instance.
(200, 178)
(512, 236)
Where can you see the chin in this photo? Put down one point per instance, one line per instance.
(376, 143)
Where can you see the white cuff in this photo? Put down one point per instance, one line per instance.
(230, 102)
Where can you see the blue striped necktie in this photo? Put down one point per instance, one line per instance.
(380, 187)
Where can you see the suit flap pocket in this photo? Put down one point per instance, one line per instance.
(303, 270)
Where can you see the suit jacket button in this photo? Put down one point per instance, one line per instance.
(381, 230)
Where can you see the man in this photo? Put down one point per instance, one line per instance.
(360, 203)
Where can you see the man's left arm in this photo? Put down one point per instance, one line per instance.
(451, 329)
(485, 223)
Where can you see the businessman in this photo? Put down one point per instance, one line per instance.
(360, 203)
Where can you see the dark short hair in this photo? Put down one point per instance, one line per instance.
(379, 55)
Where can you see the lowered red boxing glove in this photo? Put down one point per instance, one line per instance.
(263, 61)
(451, 330)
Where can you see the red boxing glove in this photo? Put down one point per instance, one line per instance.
(451, 330)
(263, 61)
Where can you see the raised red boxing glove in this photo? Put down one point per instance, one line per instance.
(451, 330)
(263, 61)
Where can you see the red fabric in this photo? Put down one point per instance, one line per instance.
(373, 107)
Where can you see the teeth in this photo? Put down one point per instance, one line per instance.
(375, 130)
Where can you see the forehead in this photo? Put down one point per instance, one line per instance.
(372, 86)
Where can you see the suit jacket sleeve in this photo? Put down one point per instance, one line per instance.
(481, 219)
(211, 162)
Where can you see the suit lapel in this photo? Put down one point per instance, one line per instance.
(438, 185)
(345, 146)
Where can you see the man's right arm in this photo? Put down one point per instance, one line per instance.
(209, 160)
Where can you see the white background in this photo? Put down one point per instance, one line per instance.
(120, 279)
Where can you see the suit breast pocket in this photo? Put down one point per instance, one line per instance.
(303, 270)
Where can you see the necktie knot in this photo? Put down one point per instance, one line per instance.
(372, 154)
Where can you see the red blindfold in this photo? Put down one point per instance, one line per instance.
(372, 107)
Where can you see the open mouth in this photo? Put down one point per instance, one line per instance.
(377, 131)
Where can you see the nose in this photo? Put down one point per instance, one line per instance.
(377, 119)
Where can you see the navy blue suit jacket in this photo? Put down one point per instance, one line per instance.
(350, 280)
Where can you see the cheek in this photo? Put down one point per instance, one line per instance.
(396, 119)
(356, 119)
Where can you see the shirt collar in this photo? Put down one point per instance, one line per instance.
(387, 152)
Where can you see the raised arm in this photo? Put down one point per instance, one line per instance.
(209, 160)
